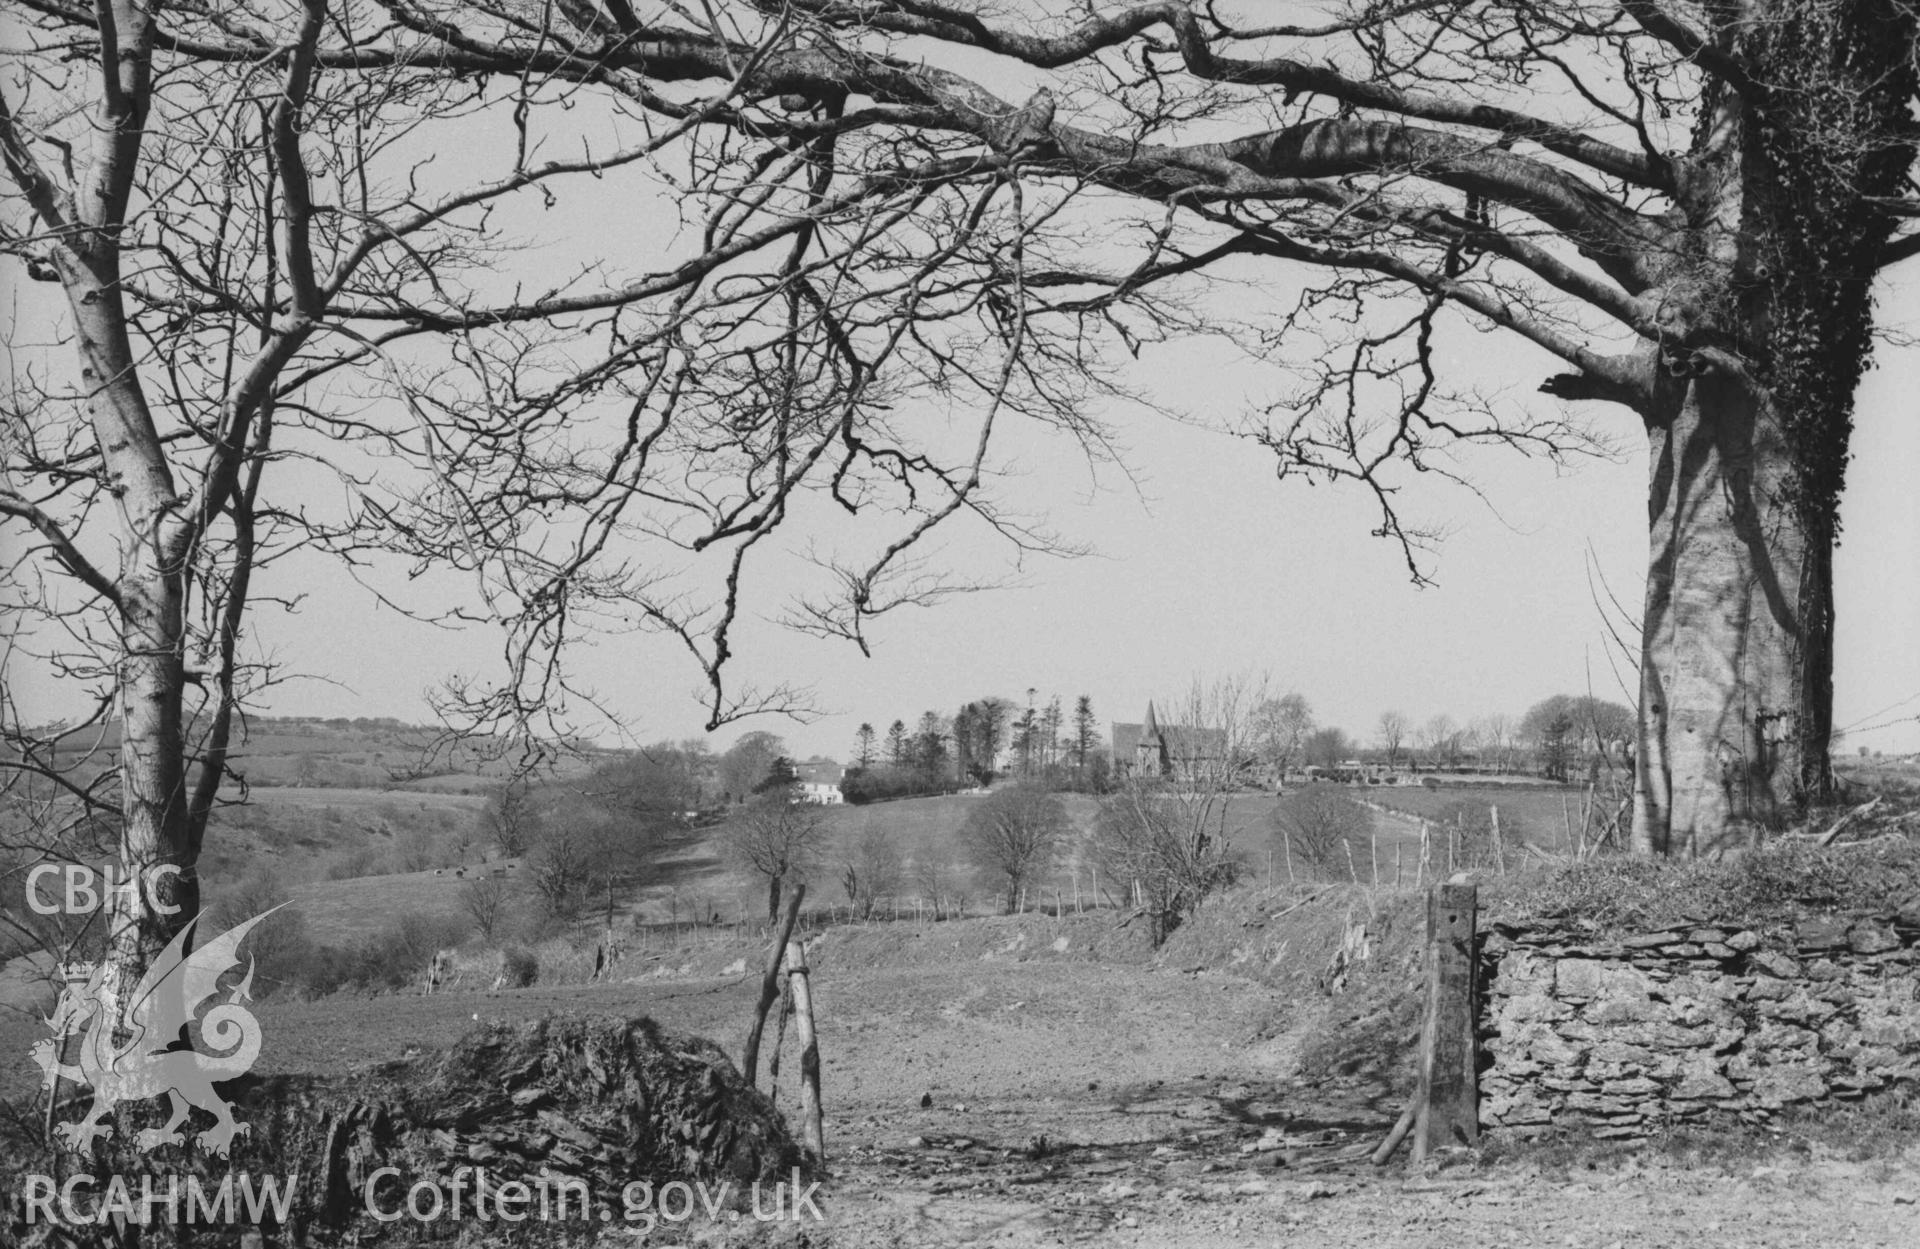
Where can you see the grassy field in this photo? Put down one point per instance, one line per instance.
(297, 831)
(1538, 814)
(302, 834)
(929, 829)
(360, 862)
(340, 912)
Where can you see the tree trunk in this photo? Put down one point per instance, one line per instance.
(153, 800)
(150, 608)
(1784, 235)
(773, 899)
(1727, 720)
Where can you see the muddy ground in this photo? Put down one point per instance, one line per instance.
(1087, 1103)
(1074, 1102)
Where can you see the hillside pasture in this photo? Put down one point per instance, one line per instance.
(305, 833)
(345, 912)
(696, 880)
(359, 754)
(929, 829)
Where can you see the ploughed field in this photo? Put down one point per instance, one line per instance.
(1077, 1101)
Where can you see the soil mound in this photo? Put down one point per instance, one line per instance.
(581, 1104)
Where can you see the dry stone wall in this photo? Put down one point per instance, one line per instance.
(1628, 1036)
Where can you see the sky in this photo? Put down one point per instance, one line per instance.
(1213, 569)
(1205, 567)
(1200, 566)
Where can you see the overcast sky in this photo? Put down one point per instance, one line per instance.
(1218, 569)
(1213, 568)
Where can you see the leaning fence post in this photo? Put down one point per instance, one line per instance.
(769, 987)
(1445, 1108)
(812, 1132)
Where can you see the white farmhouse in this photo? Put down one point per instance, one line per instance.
(820, 781)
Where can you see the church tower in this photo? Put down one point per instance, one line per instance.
(1150, 757)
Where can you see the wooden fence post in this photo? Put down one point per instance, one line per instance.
(769, 987)
(1445, 1109)
(812, 1131)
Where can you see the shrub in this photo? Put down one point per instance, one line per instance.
(565, 959)
(485, 902)
(1166, 845)
(393, 958)
(1320, 827)
(881, 784)
(417, 938)
(353, 865)
(519, 967)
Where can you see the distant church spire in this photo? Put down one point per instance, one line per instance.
(1150, 756)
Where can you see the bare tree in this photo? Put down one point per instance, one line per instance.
(1440, 739)
(777, 839)
(1697, 252)
(1320, 828)
(1498, 737)
(257, 262)
(872, 867)
(1280, 731)
(935, 880)
(581, 848)
(1169, 839)
(510, 817)
(1393, 734)
(559, 869)
(416, 849)
(1015, 834)
(485, 901)
(1328, 747)
(183, 362)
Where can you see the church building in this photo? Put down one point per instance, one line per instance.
(1176, 752)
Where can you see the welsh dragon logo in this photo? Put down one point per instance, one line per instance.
(159, 1053)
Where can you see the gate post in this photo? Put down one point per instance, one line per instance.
(1445, 1109)
(1449, 1110)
